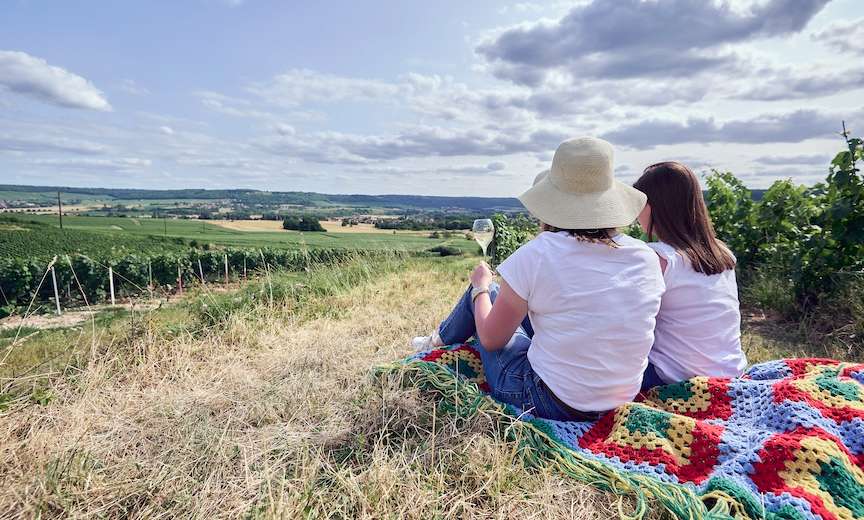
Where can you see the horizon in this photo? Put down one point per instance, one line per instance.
(63, 189)
(444, 100)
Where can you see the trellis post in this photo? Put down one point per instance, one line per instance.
(111, 283)
(201, 271)
(56, 294)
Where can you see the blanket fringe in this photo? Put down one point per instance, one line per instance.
(464, 399)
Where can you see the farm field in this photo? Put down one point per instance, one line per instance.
(206, 232)
(332, 226)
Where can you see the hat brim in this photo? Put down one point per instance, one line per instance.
(616, 207)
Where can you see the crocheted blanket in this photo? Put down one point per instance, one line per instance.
(786, 440)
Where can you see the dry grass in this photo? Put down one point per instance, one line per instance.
(273, 416)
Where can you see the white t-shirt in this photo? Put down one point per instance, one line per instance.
(699, 325)
(592, 307)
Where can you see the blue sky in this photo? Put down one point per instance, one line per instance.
(447, 97)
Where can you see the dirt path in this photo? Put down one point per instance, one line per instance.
(69, 318)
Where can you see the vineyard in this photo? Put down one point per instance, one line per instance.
(163, 255)
(41, 241)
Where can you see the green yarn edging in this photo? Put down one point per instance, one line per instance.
(539, 448)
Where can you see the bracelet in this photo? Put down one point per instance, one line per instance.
(477, 291)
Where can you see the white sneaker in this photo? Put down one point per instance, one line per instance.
(422, 343)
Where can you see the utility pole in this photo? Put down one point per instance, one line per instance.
(165, 221)
(60, 209)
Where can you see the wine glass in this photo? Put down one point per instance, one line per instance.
(483, 231)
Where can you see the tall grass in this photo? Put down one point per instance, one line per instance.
(270, 413)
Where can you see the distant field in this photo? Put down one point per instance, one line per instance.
(76, 203)
(332, 226)
(50, 198)
(207, 232)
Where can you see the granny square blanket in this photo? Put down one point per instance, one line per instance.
(786, 440)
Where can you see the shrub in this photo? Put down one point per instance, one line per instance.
(446, 250)
(510, 234)
(303, 223)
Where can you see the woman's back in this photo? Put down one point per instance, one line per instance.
(699, 325)
(593, 309)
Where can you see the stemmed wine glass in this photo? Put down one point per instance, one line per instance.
(483, 231)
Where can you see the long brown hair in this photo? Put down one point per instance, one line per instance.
(680, 218)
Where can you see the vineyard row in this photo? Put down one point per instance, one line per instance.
(135, 274)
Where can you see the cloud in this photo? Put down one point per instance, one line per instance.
(775, 160)
(843, 36)
(792, 84)
(299, 86)
(130, 87)
(238, 107)
(441, 142)
(50, 144)
(421, 141)
(792, 127)
(491, 169)
(167, 130)
(31, 76)
(123, 164)
(236, 164)
(636, 38)
(230, 106)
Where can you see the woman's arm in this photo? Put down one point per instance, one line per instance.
(496, 323)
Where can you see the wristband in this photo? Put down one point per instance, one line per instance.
(477, 291)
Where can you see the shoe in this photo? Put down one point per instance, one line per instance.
(423, 343)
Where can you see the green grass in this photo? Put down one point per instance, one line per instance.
(205, 232)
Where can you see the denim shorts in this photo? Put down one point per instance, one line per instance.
(513, 381)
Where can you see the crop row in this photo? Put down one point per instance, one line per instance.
(23, 278)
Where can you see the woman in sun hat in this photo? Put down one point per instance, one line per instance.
(591, 294)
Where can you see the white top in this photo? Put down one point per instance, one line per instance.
(699, 326)
(592, 307)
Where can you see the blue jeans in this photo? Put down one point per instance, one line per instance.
(651, 378)
(508, 372)
(459, 327)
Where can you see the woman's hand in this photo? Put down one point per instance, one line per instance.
(481, 276)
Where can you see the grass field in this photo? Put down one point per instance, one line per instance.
(271, 412)
(207, 232)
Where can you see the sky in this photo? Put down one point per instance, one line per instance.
(428, 98)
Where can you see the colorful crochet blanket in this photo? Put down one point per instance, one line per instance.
(785, 441)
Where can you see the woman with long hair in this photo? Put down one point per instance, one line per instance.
(698, 330)
(591, 294)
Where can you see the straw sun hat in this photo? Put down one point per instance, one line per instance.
(580, 192)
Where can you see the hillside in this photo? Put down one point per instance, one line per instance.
(46, 195)
(269, 411)
(41, 241)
